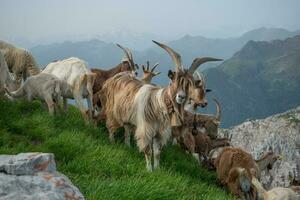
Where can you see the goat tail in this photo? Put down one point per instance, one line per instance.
(16, 94)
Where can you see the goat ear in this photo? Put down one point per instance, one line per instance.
(171, 74)
(208, 90)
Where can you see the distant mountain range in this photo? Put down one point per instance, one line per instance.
(106, 55)
(260, 76)
(261, 79)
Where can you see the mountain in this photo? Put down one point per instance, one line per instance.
(191, 47)
(261, 79)
(105, 55)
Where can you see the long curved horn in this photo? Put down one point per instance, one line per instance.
(198, 61)
(127, 54)
(218, 107)
(175, 56)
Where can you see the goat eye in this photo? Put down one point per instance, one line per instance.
(198, 82)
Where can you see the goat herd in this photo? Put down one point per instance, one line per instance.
(154, 114)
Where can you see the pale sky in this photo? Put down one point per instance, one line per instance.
(36, 19)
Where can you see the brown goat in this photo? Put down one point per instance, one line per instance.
(102, 75)
(200, 142)
(236, 168)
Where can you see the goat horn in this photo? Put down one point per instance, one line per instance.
(154, 66)
(174, 55)
(148, 65)
(125, 51)
(218, 107)
(198, 61)
(128, 55)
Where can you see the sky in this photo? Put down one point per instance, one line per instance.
(41, 19)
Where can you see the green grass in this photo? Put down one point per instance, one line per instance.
(99, 169)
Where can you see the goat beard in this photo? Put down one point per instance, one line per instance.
(175, 120)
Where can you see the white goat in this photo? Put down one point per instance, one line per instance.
(277, 193)
(45, 87)
(78, 81)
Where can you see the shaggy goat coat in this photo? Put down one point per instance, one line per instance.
(19, 61)
(130, 101)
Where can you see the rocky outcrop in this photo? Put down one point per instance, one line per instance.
(33, 176)
(281, 132)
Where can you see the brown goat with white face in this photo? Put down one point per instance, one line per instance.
(102, 75)
(151, 110)
(236, 168)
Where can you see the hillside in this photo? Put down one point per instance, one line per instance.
(99, 169)
(261, 79)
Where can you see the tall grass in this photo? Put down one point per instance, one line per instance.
(99, 169)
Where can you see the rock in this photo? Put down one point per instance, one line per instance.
(27, 163)
(33, 176)
(279, 132)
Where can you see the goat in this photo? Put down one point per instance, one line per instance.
(236, 168)
(150, 109)
(78, 81)
(19, 61)
(102, 75)
(277, 193)
(6, 80)
(148, 73)
(45, 87)
(200, 142)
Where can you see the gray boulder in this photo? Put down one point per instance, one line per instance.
(33, 176)
(280, 132)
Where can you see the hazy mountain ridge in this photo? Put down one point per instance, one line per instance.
(261, 79)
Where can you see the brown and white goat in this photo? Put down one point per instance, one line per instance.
(127, 64)
(236, 168)
(150, 109)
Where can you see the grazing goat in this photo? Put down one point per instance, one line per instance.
(150, 109)
(6, 80)
(44, 87)
(199, 142)
(78, 81)
(102, 75)
(236, 168)
(277, 193)
(19, 61)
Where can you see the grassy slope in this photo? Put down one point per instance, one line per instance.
(102, 170)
